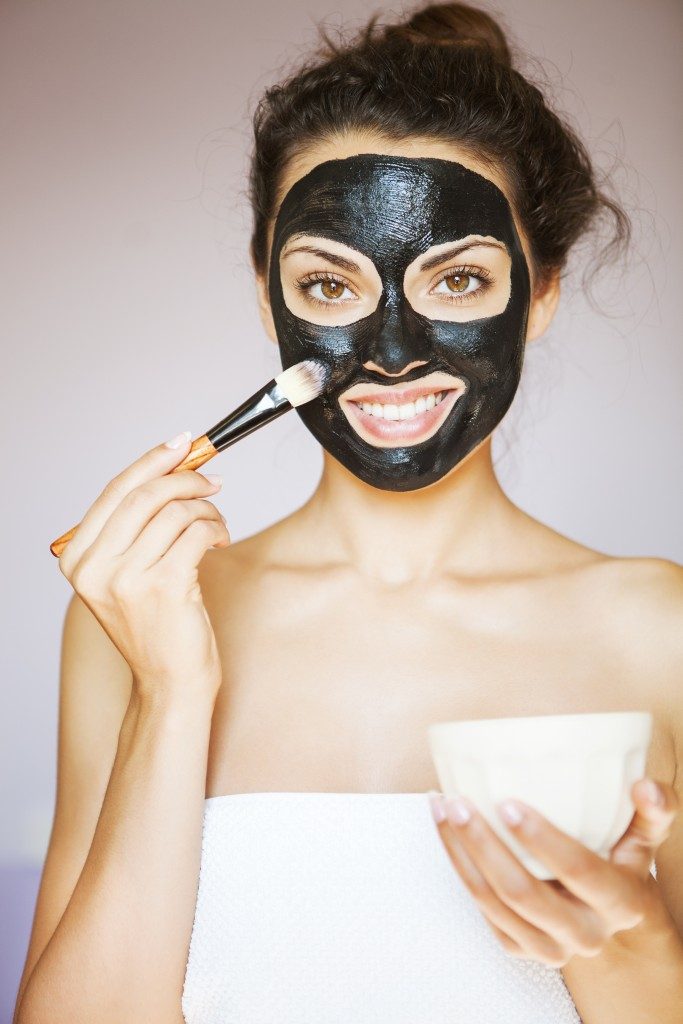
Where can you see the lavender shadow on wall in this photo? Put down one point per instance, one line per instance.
(18, 890)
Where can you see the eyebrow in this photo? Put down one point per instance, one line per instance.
(449, 254)
(331, 257)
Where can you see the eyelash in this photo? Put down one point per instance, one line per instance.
(483, 276)
(304, 284)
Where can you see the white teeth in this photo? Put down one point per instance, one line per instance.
(404, 410)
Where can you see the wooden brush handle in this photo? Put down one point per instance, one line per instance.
(201, 451)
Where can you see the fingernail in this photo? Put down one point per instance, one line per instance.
(217, 481)
(436, 804)
(179, 439)
(654, 793)
(510, 812)
(457, 811)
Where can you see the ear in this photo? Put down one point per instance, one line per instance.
(542, 307)
(264, 309)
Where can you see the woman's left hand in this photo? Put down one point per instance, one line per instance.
(589, 899)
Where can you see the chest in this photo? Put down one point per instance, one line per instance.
(336, 693)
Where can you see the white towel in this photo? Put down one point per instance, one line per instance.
(343, 908)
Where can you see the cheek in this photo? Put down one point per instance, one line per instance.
(490, 338)
(486, 353)
(457, 343)
(340, 348)
(333, 346)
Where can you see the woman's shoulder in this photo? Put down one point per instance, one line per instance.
(643, 596)
(636, 601)
(641, 586)
(642, 602)
(648, 593)
(659, 580)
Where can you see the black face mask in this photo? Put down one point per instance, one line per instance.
(393, 209)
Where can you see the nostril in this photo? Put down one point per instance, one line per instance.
(370, 365)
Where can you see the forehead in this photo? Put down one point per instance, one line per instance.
(385, 203)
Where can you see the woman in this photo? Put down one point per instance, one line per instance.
(260, 713)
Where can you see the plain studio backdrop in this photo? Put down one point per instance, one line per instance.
(129, 314)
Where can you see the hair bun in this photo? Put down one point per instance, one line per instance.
(454, 25)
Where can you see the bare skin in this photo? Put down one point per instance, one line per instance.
(342, 632)
(358, 665)
(445, 602)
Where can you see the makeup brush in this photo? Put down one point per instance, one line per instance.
(295, 386)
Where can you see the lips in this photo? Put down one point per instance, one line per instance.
(398, 421)
(408, 392)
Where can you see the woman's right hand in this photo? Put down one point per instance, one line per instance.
(133, 561)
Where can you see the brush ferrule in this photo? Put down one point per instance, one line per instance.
(263, 406)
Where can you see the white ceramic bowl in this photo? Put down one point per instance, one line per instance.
(576, 770)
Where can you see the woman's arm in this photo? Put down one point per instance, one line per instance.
(95, 687)
(603, 922)
(636, 979)
(119, 949)
(614, 931)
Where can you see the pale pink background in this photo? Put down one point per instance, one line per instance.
(128, 312)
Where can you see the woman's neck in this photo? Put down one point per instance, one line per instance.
(457, 524)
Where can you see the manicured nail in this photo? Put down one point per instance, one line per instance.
(457, 811)
(436, 804)
(510, 812)
(179, 439)
(654, 793)
(217, 481)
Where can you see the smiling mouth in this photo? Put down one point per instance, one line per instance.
(388, 417)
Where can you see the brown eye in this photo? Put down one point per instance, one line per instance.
(457, 282)
(332, 289)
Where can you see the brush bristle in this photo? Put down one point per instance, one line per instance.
(303, 382)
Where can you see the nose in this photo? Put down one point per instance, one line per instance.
(395, 346)
(369, 365)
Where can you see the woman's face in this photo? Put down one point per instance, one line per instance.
(404, 273)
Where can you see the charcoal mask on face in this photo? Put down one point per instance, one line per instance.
(393, 209)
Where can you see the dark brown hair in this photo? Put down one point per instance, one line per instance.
(446, 73)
